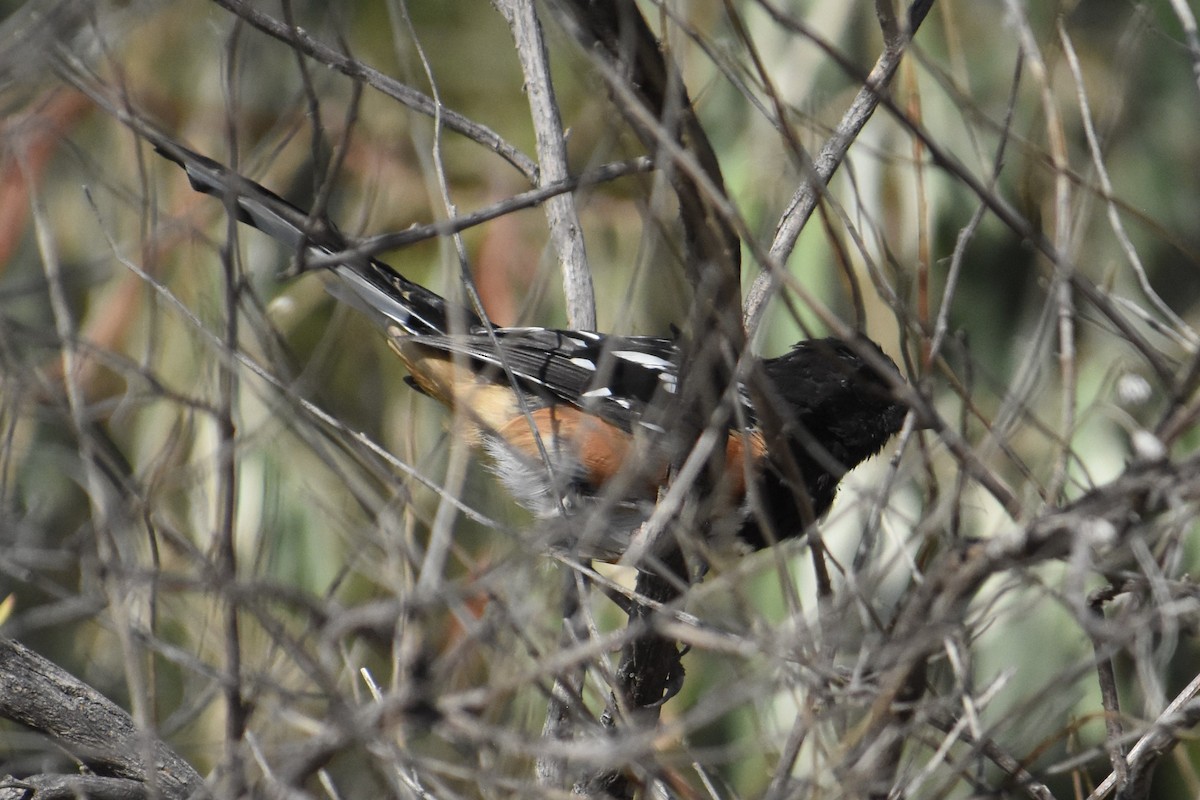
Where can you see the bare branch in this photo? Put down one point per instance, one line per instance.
(304, 43)
(1182, 713)
(38, 694)
(1107, 676)
(833, 152)
(72, 787)
(566, 230)
(1104, 518)
(1019, 775)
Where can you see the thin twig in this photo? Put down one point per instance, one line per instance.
(967, 234)
(1107, 516)
(1019, 777)
(567, 691)
(373, 245)
(1183, 712)
(832, 153)
(1108, 192)
(1106, 676)
(301, 41)
(237, 710)
(1064, 300)
(648, 90)
(441, 534)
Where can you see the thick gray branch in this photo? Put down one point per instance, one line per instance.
(36, 693)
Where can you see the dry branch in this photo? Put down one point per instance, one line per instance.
(102, 736)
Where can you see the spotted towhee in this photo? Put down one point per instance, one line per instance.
(565, 415)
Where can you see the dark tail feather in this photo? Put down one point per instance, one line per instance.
(370, 285)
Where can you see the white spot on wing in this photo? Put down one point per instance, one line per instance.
(644, 359)
(603, 391)
(586, 363)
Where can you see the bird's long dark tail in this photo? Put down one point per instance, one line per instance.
(372, 286)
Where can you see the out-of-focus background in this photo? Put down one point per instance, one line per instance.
(172, 482)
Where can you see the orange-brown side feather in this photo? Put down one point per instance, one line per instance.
(736, 468)
(446, 379)
(602, 449)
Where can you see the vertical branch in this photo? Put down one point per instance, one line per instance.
(236, 711)
(649, 92)
(100, 494)
(441, 534)
(562, 706)
(1161, 736)
(566, 231)
(1063, 268)
(1106, 675)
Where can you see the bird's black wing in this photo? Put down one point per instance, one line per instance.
(614, 377)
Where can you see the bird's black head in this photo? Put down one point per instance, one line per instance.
(838, 397)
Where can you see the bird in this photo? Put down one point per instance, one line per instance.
(567, 418)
